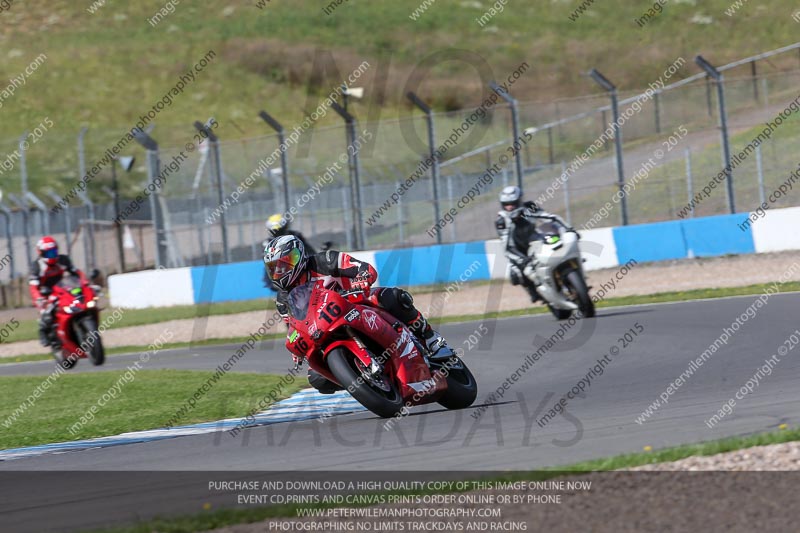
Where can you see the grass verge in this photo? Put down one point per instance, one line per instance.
(662, 297)
(209, 520)
(28, 329)
(47, 420)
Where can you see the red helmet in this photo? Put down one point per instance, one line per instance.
(48, 249)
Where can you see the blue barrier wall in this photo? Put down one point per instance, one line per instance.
(679, 239)
(432, 264)
(408, 267)
(717, 235)
(234, 281)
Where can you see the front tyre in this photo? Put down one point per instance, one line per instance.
(560, 314)
(379, 395)
(90, 342)
(580, 292)
(462, 389)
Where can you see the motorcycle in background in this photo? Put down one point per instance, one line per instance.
(559, 277)
(75, 333)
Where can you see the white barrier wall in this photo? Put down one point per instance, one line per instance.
(152, 288)
(777, 231)
(598, 248)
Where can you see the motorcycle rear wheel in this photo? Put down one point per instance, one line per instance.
(347, 369)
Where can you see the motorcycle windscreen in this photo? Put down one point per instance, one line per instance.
(299, 298)
(69, 283)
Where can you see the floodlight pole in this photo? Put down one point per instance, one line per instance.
(719, 81)
(512, 103)
(153, 165)
(612, 91)
(425, 108)
(355, 182)
(278, 127)
(214, 146)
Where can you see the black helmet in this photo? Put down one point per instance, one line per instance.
(286, 260)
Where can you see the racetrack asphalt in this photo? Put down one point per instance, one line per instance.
(506, 436)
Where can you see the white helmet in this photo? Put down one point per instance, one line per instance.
(511, 195)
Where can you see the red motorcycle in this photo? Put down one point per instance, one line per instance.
(371, 354)
(76, 318)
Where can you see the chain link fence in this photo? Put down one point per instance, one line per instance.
(372, 188)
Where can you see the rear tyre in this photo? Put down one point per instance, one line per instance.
(462, 389)
(89, 340)
(380, 397)
(577, 286)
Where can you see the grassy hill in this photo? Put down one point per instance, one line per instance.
(104, 69)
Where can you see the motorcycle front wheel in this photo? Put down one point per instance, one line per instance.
(378, 395)
(89, 336)
(462, 389)
(580, 292)
(560, 314)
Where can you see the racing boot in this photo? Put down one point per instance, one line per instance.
(531, 288)
(437, 346)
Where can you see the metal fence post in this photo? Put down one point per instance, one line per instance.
(153, 164)
(755, 80)
(689, 184)
(657, 106)
(760, 168)
(89, 243)
(24, 209)
(723, 126)
(433, 155)
(45, 220)
(566, 193)
(401, 236)
(67, 219)
(266, 117)
(612, 90)
(23, 170)
(9, 239)
(512, 103)
(217, 171)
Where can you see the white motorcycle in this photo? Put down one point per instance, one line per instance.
(558, 275)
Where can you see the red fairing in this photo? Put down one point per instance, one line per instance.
(332, 321)
(79, 306)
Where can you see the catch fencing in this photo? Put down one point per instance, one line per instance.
(369, 184)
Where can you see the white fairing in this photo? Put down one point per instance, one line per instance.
(548, 258)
